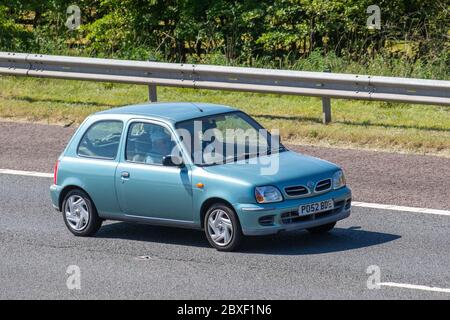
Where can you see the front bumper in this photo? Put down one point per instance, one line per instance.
(271, 218)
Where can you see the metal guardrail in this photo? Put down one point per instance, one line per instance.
(325, 85)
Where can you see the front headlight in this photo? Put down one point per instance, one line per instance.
(338, 180)
(267, 194)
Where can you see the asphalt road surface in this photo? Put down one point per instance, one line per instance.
(409, 249)
(36, 250)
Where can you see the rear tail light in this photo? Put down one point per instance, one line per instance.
(55, 172)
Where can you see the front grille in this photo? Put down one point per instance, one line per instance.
(296, 191)
(323, 185)
(293, 217)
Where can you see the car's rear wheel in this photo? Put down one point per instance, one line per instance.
(80, 215)
(322, 229)
(222, 227)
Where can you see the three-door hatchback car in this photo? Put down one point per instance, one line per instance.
(201, 166)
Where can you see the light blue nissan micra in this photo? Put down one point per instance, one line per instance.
(193, 165)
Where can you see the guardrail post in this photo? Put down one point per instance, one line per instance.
(152, 94)
(326, 107)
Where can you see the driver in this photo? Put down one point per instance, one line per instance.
(161, 146)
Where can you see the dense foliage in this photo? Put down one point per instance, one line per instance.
(298, 34)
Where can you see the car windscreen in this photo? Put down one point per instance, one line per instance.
(225, 137)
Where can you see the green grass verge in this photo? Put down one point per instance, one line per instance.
(371, 125)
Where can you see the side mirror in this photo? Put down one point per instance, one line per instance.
(172, 161)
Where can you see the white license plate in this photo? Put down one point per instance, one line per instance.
(315, 207)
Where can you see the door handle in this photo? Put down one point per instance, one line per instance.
(125, 175)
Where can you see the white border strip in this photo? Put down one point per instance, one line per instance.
(400, 208)
(414, 287)
(26, 173)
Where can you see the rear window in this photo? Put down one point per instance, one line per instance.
(101, 140)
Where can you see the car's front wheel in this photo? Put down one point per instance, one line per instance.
(322, 229)
(80, 215)
(222, 227)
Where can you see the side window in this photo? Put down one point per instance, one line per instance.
(101, 140)
(148, 143)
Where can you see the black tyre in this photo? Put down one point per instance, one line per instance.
(222, 227)
(322, 229)
(80, 214)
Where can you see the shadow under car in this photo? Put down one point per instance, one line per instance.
(287, 243)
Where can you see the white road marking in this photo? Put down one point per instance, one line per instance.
(26, 173)
(354, 203)
(400, 208)
(414, 287)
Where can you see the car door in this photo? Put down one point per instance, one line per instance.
(146, 188)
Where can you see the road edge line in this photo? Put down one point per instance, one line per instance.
(26, 173)
(400, 208)
(414, 287)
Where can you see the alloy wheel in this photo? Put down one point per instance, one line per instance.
(220, 227)
(77, 212)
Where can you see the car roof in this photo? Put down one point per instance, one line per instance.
(173, 111)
